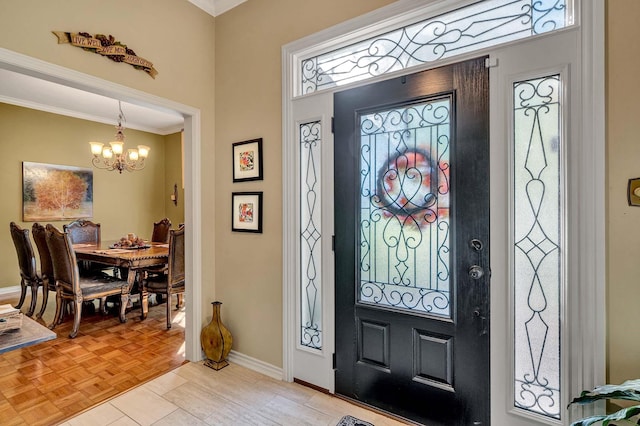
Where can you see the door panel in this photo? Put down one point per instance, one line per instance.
(411, 244)
(312, 357)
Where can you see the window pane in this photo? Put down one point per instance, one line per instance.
(310, 236)
(537, 244)
(404, 221)
(482, 24)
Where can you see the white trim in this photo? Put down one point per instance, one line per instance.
(10, 291)
(40, 69)
(84, 116)
(589, 324)
(255, 365)
(216, 7)
(289, 237)
(313, 365)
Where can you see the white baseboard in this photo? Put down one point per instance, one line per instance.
(10, 291)
(234, 357)
(255, 365)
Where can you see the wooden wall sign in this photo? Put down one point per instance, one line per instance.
(106, 46)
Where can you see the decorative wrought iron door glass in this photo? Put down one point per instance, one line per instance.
(479, 25)
(537, 230)
(310, 235)
(404, 202)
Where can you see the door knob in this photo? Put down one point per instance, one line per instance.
(476, 272)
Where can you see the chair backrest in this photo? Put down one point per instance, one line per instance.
(161, 231)
(24, 250)
(65, 264)
(176, 256)
(83, 232)
(46, 264)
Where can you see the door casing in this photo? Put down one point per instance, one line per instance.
(585, 306)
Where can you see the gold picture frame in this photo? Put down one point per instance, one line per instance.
(633, 192)
(53, 192)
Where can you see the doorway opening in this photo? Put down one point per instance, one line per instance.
(23, 64)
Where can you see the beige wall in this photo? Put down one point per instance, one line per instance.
(173, 175)
(248, 46)
(173, 34)
(180, 40)
(623, 163)
(124, 203)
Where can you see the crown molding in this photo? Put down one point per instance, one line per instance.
(216, 7)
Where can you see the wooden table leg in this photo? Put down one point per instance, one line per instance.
(144, 304)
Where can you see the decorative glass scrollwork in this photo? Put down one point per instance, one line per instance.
(310, 236)
(404, 202)
(537, 244)
(479, 25)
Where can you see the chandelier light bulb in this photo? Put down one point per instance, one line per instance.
(117, 147)
(113, 157)
(107, 153)
(143, 150)
(96, 148)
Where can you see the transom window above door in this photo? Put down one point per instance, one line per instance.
(473, 27)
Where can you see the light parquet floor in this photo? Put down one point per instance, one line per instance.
(135, 374)
(47, 383)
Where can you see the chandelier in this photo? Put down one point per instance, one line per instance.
(113, 157)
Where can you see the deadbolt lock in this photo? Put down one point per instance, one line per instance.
(476, 272)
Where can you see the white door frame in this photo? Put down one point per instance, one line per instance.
(27, 65)
(585, 316)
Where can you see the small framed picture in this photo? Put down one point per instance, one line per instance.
(247, 160)
(633, 192)
(246, 212)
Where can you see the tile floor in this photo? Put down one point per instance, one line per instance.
(197, 395)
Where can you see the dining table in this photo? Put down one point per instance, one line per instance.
(132, 259)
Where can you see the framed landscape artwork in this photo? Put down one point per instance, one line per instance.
(246, 212)
(247, 160)
(52, 192)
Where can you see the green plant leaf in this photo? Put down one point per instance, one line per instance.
(629, 390)
(624, 414)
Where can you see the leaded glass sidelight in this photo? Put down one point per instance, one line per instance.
(404, 207)
(537, 196)
(310, 234)
(473, 27)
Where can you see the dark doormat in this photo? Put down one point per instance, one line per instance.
(352, 421)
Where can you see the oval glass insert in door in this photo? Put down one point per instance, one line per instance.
(404, 207)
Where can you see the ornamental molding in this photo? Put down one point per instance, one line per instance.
(216, 7)
(106, 46)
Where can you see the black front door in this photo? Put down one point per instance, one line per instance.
(412, 244)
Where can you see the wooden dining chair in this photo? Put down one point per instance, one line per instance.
(83, 231)
(161, 231)
(75, 289)
(46, 265)
(170, 283)
(29, 276)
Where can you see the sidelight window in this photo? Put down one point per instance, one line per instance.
(310, 235)
(537, 244)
